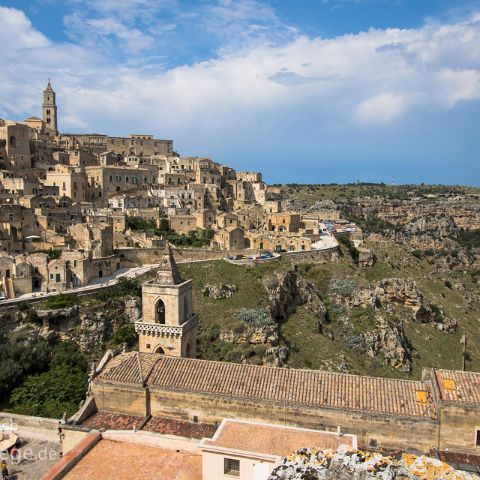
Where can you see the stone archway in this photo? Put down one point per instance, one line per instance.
(159, 350)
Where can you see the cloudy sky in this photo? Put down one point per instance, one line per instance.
(313, 91)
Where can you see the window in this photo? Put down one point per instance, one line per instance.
(57, 277)
(477, 438)
(231, 467)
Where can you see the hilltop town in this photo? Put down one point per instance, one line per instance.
(173, 308)
(72, 202)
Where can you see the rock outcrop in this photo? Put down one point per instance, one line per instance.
(403, 291)
(219, 291)
(366, 257)
(289, 292)
(388, 338)
(349, 464)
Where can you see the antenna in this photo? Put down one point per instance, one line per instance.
(393, 180)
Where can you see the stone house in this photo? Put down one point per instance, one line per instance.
(229, 238)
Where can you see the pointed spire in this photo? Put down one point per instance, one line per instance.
(168, 273)
(49, 86)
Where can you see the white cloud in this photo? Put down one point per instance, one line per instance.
(382, 108)
(16, 30)
(372, 77)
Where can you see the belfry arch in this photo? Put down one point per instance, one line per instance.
(160, 312)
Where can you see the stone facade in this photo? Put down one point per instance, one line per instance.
(168, 324)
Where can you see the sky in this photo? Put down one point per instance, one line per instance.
(306, 91)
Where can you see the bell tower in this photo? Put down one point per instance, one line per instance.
(49, 108)
(169, 325)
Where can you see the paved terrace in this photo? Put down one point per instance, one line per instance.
(272, 384)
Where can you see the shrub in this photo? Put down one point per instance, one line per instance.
(448, 284)
(62, 300)
(352, 250)
(125, 334)
(258, 318)
(341, 287)
(23, 306)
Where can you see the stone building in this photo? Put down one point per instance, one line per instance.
(70, 181)
(135, 144)
(168, 324)
(14, 146)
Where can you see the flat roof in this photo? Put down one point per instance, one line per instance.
(124, 461)
(275, 440)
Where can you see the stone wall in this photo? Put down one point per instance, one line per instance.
(386, 431)
(130, 257)
(129, 400)
(459, 425)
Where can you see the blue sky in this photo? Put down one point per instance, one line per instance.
(304, 90)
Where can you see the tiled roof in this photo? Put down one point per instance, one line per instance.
(131, 368)
(112, 421)
(276, 385)
(273, 439)
(458, 386)
(168, 426)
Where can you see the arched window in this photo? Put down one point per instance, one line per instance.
(159, 350)
(185, 308)
(160, 312)
(188, 351)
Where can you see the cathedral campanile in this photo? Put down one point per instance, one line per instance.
(49, 108)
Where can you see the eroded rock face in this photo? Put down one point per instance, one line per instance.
(133, 309)
(403, 291)
(366, 258)
(434, 314)
(253, 335)
(389, 339)
(291, 291)
(219, 291)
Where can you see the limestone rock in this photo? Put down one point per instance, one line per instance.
(291, 291)
(389, 339)
(435, 315)
(403, 291)
(366, 257)
(347, 463)
(219, 291)
(133, 311)
(58, 313)
(252, 334)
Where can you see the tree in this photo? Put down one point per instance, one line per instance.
(49, 394)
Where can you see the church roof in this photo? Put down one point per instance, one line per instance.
(309, 388)
(168, 273)
(457, 386)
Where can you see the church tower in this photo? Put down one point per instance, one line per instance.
(49, 108)
(169, 325)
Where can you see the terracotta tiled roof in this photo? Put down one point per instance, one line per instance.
(131, 368)
(458, 386)
(273, 439)
(112, 421)
(276, 385)
(168, 426)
